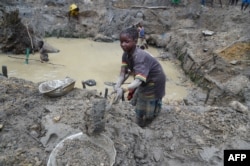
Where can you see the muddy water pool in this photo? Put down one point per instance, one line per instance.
(84, 59)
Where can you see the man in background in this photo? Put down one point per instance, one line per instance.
(73, 11)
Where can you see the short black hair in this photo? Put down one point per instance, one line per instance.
(132, 32)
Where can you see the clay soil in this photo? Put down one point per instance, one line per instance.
(33, 124)
(238, 51)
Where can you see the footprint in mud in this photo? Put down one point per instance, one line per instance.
(52, 138)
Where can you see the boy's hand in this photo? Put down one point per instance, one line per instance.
(119, 93)
(130, 94)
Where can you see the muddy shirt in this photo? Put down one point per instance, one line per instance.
(147, 69)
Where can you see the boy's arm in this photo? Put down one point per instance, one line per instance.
(133, 85)
(122, 78)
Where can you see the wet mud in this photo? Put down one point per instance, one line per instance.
(33, 124)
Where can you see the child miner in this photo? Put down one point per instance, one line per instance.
(149, 78)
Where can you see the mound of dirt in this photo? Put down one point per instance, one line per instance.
(194, 134)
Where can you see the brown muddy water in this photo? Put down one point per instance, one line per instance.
(84, 59)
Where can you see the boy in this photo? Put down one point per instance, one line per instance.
(141, 33)
(149, 77)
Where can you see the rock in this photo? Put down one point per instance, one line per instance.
(103, 38)
(199, 140)
(56, 118)
(208, 153)
(34, 134)
(205, 50)
(207, 33)
(157, 154)
(168, 134)
(236, 84)
(239, 106)
(95, 118)
(139, 155)
(234, 62)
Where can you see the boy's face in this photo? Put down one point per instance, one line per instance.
(127, 43)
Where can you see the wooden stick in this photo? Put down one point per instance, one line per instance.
(34, 60)
(111, 101)
(208, 94)
(31, 41)
(150, 7)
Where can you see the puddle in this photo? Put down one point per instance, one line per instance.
(84, 59)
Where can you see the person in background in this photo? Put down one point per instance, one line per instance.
(244, 4)
(142, 40)
(44, 57)
(149, 81)
(73, 11)
(203, 2)
(175, 2)
(220, 1)
(233, 2)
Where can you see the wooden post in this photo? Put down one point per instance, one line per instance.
(4, 71)
(208, 94)
(106, 93)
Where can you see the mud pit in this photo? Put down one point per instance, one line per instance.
(185, 133)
